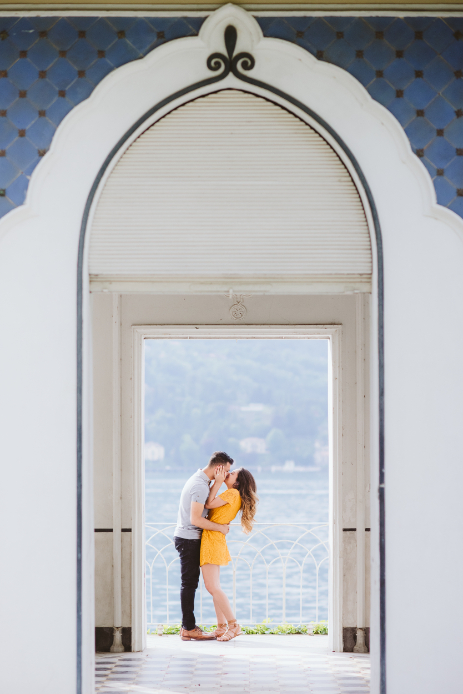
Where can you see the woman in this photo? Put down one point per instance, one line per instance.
(241, 494)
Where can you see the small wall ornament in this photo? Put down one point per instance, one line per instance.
(237, 310)
(231, 62)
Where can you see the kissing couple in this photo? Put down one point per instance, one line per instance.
(200, 539)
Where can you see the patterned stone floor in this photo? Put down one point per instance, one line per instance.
(276, 664)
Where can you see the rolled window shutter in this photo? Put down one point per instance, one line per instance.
(230, 185)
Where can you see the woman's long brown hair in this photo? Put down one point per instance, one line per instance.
(246, 485)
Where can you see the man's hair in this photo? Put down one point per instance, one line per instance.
(220, 458)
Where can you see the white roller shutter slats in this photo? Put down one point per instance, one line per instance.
(230, 185)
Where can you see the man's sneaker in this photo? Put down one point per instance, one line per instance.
(196, 634)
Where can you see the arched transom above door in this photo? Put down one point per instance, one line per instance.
(230, 190)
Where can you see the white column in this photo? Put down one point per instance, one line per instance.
(135, 428)
(360, 646)
(117, 474)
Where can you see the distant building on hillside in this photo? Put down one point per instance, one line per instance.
(154, 451)
(253, 445)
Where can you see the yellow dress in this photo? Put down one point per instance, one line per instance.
(214, 548)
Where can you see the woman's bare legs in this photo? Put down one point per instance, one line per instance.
(211, 576)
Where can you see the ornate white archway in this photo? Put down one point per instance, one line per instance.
(41, 240)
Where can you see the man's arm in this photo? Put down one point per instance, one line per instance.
(200, 522)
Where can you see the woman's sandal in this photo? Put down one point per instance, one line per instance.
(221, 630)
(232, 632)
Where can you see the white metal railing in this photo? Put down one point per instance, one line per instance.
(281, 570)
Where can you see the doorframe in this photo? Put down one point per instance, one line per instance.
(332, 333)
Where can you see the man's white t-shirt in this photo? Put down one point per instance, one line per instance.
(195, 489)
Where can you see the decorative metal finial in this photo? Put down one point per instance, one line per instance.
(229, 62)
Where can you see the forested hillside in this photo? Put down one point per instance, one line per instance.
(262, 401)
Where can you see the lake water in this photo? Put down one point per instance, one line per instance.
(279, 572)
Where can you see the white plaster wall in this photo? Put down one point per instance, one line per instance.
(102, 416)
(424, 471)
(104, 582)
(349, 577)
(367, 578)
(126, 539)
(38, 459)
(103, 458)
(103, 446)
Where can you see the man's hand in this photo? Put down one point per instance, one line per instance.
(220, 474)
(225, 529)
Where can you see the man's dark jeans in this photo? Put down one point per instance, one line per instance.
(189, 551)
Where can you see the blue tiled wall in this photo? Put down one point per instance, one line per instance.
(412, 66)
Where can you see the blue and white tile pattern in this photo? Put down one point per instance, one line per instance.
(413, 66)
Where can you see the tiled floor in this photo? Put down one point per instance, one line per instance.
(277, 664)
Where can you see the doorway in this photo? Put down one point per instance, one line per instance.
(264, 401)
(122, 326)
(321, 539)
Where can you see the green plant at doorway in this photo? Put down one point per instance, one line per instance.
(313, 628)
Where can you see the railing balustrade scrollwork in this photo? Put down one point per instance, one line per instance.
(279, 572)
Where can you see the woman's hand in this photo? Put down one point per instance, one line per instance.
(219, 477)
(220, 474)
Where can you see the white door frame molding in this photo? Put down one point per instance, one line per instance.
(332, 333)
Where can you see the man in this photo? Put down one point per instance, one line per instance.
(187, 538)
